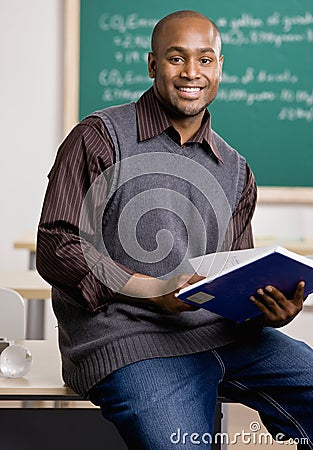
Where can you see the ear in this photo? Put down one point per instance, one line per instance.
(151, 64)
(221, 61)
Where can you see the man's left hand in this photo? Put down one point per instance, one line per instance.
(277, 309)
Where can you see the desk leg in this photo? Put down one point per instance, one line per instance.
(32, 261)
(35, 319)
(220, 427)
(35, 310)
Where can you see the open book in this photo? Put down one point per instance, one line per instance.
(232, 277)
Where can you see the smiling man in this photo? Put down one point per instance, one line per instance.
(136, 190)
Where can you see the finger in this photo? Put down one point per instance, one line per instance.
(279, 297)
(263, 308)
(298, 295)
(272, 301)
(270, 292)
(276, 295)
(185, 280)
(195, 277)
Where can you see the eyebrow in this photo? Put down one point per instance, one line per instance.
(184, 50)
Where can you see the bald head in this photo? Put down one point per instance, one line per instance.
(185, 14)
(186, 65)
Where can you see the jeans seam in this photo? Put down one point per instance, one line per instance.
(278, 407)
(220, 361)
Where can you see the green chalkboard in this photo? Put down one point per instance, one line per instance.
(265, 103)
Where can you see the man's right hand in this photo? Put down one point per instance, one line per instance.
(141, 289)
(168, 301)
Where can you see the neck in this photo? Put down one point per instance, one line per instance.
(187, 127)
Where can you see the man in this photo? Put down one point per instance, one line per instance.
(135, 191)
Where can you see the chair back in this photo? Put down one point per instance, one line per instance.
(12, 315)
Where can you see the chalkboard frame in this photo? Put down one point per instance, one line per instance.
(266, 194)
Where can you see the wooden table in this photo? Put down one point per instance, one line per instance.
(44, 381)
(49, 428)
(28, 283)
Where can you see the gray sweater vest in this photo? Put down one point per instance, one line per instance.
(165, 204)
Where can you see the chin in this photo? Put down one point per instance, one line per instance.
(189, 112)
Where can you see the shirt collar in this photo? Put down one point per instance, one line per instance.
(153, 120)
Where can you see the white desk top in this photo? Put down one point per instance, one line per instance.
(44, 378)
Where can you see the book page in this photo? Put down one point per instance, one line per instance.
(214, 264)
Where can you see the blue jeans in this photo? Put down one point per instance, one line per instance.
(169, 403)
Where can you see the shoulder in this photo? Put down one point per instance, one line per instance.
(87, 145)
(118, 112)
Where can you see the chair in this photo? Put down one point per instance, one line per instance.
(12, 315)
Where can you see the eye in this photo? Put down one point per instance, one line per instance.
(205, 61)
(176, 60)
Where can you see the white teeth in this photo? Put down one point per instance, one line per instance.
(186, 89)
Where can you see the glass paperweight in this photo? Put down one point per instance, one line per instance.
(15, 361)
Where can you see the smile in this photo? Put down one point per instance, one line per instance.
(189, 89)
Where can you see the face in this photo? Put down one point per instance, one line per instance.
(186, 66)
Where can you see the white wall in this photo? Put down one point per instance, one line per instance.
(31, 39)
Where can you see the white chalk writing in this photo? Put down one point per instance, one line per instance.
(293, 114)
(116, 78)
(261, 76)
(242, 95)
(118, 22)
(128, 38)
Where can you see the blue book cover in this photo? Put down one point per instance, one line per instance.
(237, 275)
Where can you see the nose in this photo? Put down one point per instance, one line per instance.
(190, 70)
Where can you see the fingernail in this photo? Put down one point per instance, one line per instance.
(269, 288)
(260, 291)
